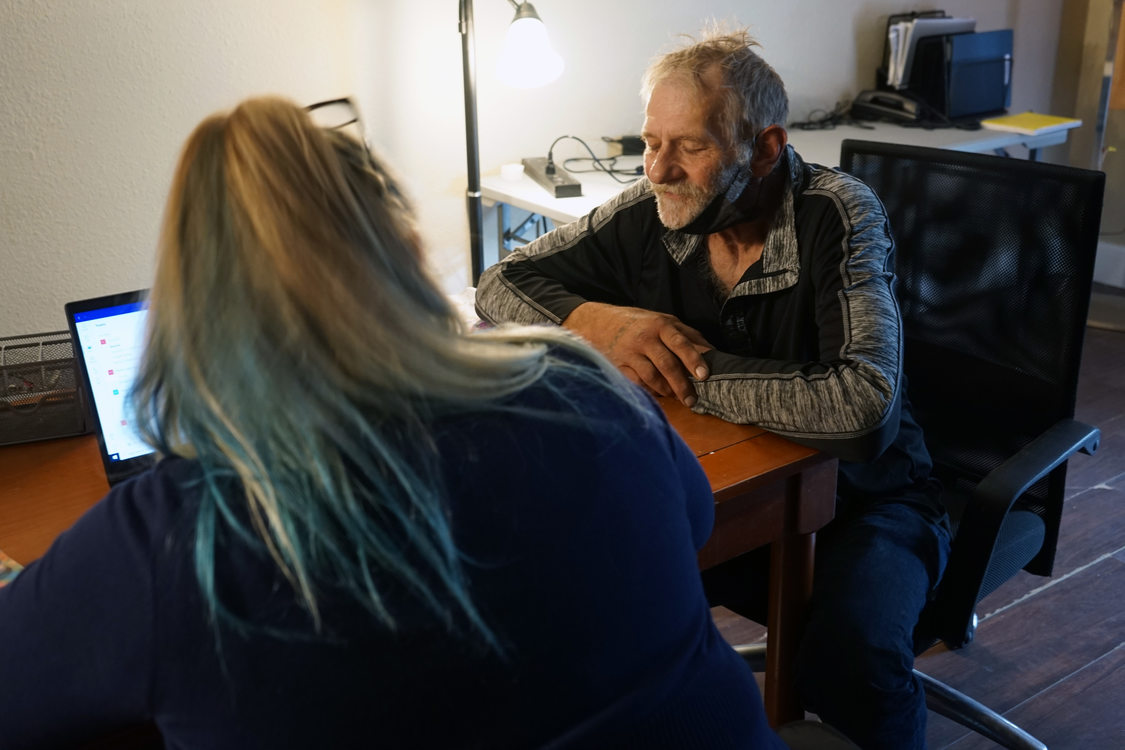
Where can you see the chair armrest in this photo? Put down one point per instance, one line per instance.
(1009, 480)
(989, 504)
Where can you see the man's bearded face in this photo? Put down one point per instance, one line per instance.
(679, 203)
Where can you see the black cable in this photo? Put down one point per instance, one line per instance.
(598, 162)
(821, 119)
(932, 119)
(605, 164)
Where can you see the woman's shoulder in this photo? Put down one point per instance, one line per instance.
(171, 475)
(156, 500)
(580, 382)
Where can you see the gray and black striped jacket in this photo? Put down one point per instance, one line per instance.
(808, 344)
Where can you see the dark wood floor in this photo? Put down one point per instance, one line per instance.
(1050, 652)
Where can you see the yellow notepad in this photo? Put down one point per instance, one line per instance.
(1031, 123)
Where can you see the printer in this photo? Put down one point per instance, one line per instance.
(964, 76)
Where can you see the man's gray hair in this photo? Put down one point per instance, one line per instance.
(751, 97)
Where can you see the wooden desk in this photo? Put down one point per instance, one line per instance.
(767, 490)
(44, 488)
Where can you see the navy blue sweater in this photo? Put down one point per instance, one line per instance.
(580, 539)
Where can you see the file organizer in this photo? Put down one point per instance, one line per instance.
(39, 397)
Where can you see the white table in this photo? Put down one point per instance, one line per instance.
(817, 146)
(823, 146)
(527, 194)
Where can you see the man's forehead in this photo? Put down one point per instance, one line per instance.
(680, 105)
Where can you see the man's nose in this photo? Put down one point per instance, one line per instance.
(663, 168)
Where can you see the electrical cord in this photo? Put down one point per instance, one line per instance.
(931, 119)
(822, 119)
(600, 164)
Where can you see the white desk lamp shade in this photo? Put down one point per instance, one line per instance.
(527, 59)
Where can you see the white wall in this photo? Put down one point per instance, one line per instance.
(96, 97)
(825, 50)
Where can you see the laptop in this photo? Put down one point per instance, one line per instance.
(109, 334)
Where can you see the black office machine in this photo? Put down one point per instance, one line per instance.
(956, 72)
(893, 106)
(965, 75)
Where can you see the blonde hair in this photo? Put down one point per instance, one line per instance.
(751, 95)
(298, 347)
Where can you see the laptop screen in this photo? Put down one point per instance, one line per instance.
(109, 342)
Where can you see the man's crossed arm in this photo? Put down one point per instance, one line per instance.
(652, 349)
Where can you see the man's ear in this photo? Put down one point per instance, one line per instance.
(768, 148)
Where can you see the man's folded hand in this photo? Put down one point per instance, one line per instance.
(654, 350)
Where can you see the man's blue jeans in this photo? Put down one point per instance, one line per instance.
(874, 573)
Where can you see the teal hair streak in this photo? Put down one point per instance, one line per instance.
(348, 503)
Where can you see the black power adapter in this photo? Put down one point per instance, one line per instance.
(625, 145)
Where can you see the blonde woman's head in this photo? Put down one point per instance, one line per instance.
(298, 349)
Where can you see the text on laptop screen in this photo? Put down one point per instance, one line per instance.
(112, 341)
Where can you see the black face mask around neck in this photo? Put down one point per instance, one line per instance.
(744, 199)
(738, 203)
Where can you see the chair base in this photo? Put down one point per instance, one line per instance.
(941, 699)
(955, 705)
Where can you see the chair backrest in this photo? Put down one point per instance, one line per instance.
(995, 259)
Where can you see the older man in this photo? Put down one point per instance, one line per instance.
(756, 287)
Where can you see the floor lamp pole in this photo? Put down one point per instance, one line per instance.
(472, 144)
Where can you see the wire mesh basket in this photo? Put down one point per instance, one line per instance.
(39, 393)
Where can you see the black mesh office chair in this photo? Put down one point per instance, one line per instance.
(995, 262)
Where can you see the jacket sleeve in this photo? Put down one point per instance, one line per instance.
(76, 631)
(844, 397)
(595, 257)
